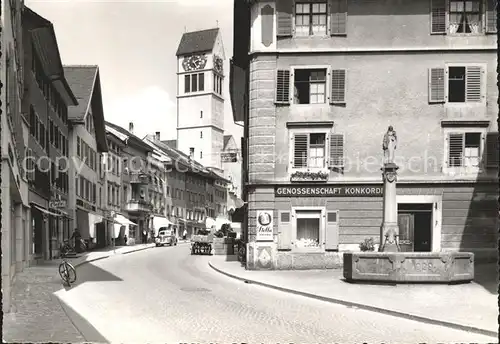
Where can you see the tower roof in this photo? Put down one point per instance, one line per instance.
(197, 42)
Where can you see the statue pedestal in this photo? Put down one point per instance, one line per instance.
(389, 231)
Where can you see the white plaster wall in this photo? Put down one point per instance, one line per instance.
(189, 109)
(256, 28)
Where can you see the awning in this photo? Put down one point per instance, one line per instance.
(160, 221)
(45, 211)
(93, 219)
(123, 220)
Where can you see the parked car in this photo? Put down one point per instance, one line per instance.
(165, 237)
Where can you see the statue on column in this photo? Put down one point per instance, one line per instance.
(389, 145)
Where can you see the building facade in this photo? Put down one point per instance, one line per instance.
(16, 250)
(200, 99)
(87, 143)
(136, 182)
(325, 80)
(46, 100)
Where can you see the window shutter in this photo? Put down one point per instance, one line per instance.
(455, 150)
(338, 86)
(332, 231)
(285, 230)
(338, 17)
(491, 16)
(336, 150)
(438, 17)
(436, 85)
(284, 15)
(473, 84)
(283, 86)
(492, 150)
(300, 150)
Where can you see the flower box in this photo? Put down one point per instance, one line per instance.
(310, 176)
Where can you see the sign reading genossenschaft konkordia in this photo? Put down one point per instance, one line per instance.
(328, 191)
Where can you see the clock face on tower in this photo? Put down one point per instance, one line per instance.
(194, 62)
(218, 64)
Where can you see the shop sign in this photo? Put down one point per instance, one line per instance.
(229, 157)
(57, 204)
(329, 191)
(264, 225)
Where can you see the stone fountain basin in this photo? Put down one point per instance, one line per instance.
(409, 267)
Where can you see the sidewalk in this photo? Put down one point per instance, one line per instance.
(37, 315)
(471, 307)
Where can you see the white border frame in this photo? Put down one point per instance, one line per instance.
(322, 230)
(462, 170)
(437, 215)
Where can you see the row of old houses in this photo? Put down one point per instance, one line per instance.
(65, 168)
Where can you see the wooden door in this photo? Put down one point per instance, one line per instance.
(406, 223)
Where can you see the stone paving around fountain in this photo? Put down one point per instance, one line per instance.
(471, 305)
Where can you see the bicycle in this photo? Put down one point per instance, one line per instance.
(67, 271)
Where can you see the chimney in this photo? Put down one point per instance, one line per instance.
(157, 136)
(131, 127)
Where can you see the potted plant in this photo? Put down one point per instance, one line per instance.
(367, 245)
(318, 176)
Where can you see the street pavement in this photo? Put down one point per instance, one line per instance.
(166, 295)
(471, 306)
(37, 314)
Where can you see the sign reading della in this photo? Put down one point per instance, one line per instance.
(264, 225)
(329, 191)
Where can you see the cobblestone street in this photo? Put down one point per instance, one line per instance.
(166, 295)
(37, 314)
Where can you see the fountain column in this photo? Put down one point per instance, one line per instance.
(389, 232)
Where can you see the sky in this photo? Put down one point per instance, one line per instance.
(134, 44)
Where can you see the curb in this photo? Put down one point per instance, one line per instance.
(363, 306)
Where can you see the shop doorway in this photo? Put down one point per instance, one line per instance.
(415, 227)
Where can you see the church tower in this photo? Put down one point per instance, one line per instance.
(200, 100)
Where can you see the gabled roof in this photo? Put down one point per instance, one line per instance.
(197, 42)
(81, 80)
(86, 85)
(170, 143)
(43, 38)
(227, 138)
(127, 136)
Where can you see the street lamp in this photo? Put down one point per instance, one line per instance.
(113, 216)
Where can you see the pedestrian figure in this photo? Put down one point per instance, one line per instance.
(184, 234)
(77, 236)
(144, 236)
(125, 239)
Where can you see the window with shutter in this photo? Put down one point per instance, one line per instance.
(438, 16)
(473, 84)
(284, 15)
(336, 150)
(492, 150)
(455, 149)
(465, 84)
(309, 86)
(284, 230)
(332, 231)
(311, 18)
(283, 86)
(300, 150)
(465, 149)
(338, 17)
(491, 16)
(436, 85)
(338, 86)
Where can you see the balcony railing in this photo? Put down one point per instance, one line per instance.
(138, 206)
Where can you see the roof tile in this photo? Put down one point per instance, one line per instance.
(197, 42)
(81, 80)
